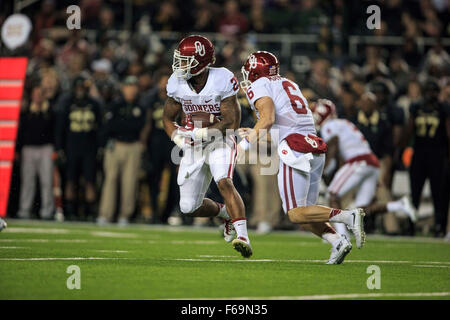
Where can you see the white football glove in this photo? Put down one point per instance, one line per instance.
(195, 134)
(242, 147)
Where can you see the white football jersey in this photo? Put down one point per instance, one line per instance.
(292, 114)
(351, 141)
(221, 84)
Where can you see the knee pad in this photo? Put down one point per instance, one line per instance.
(188, 205)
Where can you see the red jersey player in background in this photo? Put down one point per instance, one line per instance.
(360, 168)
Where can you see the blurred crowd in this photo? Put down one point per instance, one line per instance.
(91, 126)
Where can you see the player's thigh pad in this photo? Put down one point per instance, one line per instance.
(222, 159)
(367, 189)
(348, 177)
(293, 185)
(317, 164)
(193, 178)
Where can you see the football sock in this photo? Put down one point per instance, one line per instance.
(222, 211)
(330, 235)
(343, 216)
(240, 225)
(341, 229)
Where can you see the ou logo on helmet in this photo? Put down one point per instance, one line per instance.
(253, 63)
(199, 48)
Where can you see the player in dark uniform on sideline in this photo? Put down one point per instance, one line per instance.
(76, 140)
(159, 152)
(429, 126)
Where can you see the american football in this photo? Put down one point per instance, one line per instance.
(224, 150)
(204, 119)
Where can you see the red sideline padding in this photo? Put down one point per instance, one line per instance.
(8, 131)
(12, 76)
(6, 151)
(9, 111)
(5, 179)
(13, 68)
(11, 92)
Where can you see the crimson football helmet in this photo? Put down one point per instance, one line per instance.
(192, 56)
(323, 110)
(259, 64)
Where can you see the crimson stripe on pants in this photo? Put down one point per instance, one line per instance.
(343, 178)
(294, 203)
(285, 188)
(232, 155)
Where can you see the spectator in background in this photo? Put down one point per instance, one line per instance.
(159, 147)
(35, 140)
(124, 122)
(45, 18)
(258, 21)
(377, 130)
(429, 126)
(77, 142)
(204, 19)
(396, 118)
(319, 80)
(347, 107)
(413, 95)
(233, 22)
(167, 17)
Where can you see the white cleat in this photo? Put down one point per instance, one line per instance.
(357, 226)
(447, 236)
(3, 224)
(339, 252)
(243, 246)
(408, 209)
(229, 233)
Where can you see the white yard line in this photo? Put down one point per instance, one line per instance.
(213, 256)
(12, 247)
(306, 261)
(194, 242)
(113, 234)
(56, 259)
(113, 251)
(431, 266)
(334, 296)
(36, 230)
(48, 240)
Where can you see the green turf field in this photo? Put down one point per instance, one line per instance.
(150, 262)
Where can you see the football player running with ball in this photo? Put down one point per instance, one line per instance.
(280, 105)
(195, 89)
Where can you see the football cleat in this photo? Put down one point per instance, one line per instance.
(408, 208)
(229, 233)
(3, 224)
(357, 226)
(243, 246)
(339, 252)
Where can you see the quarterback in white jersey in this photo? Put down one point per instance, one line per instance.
(196, 89)
(280, 106)
(361, 166)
